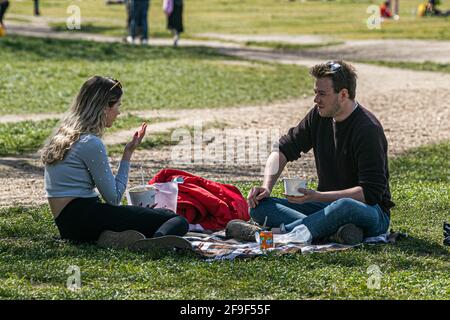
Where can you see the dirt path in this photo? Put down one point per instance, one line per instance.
(280, 38)
(354, 50)
(412, 106)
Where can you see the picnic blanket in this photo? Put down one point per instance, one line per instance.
(217, 247)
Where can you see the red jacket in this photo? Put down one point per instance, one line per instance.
(204, 202)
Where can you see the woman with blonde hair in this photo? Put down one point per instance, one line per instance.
(76, 162)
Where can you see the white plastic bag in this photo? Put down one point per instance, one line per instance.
(168, 7)
(167, 194)
(300, 234)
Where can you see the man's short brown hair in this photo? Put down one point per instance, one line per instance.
(342, 74)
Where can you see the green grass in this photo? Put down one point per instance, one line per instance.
(28, 136)
(344, 19)
(33, 262)
(24, 137)
(424, 66)
(41, 76)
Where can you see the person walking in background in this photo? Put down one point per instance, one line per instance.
(139, 16)
(128, 12)
(174, 11)
(4, 4)
(36, 8)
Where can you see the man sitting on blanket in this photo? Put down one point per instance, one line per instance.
(352, 200)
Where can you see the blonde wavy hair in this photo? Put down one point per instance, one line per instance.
(86, 115)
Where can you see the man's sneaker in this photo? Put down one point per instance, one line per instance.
(164, 242)
(348, 234)
(241, 230)
(119, 240)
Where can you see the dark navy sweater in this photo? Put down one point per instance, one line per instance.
(349, 153)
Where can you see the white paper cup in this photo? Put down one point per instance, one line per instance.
(291, 186)
(143, 196)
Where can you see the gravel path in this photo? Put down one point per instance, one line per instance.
(353, 50)
(279, 38)
(412, 106)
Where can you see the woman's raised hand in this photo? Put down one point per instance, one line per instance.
(136, 141)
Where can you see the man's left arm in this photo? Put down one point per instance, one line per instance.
(310, 195)
(370, 154)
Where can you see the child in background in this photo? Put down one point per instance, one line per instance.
(385, 11)
(174, 11)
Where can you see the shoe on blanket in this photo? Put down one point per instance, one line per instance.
(348, 234)
(242, 230)
(164, 242)
(118, 240)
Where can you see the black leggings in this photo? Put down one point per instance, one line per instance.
(83, 219)
(3, 7)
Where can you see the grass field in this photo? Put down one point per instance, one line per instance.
(33, 261)
(41, 76)
(344, 19)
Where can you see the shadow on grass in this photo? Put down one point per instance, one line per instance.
(56, 49)
(105, 30)
(21, 166)
(420, 247)
(51, 247)
(88, 28)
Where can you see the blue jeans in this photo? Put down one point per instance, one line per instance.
(138, 13)
(322, 218)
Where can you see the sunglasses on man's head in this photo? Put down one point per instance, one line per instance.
(334, 66)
